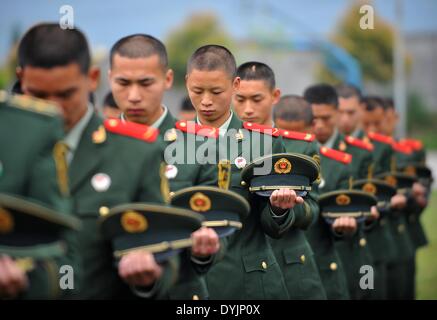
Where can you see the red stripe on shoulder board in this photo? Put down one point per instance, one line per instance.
(343, 157)
(359, 143)
(381, 138)
(197, 129)
(413, 143)
(295, 135)
(132, 129)
(261, 128)
(402, 148)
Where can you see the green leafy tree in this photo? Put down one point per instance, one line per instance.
(373, 48)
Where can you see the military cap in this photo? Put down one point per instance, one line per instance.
(419, 170)
(346, 203)
(159, 229)
(223, 210)
(380, 189)
(401, 181)
(28, 229)
(288, 170)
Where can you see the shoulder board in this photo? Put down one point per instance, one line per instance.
(261, 128)
(402, 148)
(339, 156)
(381, 138)
(295, 135)
(29, 103)
(132, 129)
(197, 129)
(359, 143)
(415, 144)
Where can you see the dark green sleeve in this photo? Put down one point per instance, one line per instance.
(44, 279)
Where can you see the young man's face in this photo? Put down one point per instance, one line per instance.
(211, 95)
(65, 85)
(254, 100)
(324, 121)
(391, 119)
(138, 87)
(292, 125)
(374, 121)
(349, 114)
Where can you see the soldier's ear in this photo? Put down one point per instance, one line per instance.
(236, 83)
(276, 95)
(19, 73)
(169, 76)
(94, 77)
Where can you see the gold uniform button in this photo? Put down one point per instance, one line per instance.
(401, 228)
(171, 194)
(363, 242)
(302, 258)
(196, 297)
(103, 211)
(264, 265)
(243, 183)
(333, 266)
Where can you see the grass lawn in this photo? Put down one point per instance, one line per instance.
(427, 257)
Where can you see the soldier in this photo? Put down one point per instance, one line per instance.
(295, 114)
(211, 82)
(354, 251)
(253, 102)
(55, 64)
(384, 156)
(32, 167)
(139, 77)
(409, 155)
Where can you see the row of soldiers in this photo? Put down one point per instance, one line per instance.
(267, 235)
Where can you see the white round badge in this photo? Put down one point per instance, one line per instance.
(171, 171)
(240, 162)
(101, 182)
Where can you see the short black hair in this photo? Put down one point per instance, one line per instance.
(389, 103)
(321, 94)
(109, 101)
(139, 46)
(373, 102)
(348, 91)
(47, 45)
(186, 104)
(211, 58)
(293, 108)
(257, 71)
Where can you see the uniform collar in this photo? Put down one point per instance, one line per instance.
(157, 123)
(331, 140)
(73, 136)
(224, 127)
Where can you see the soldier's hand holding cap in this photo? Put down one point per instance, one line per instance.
(398, 201)
(345, 225)
(139, 268)
(284, 199)
(205, 242)
(13, 280)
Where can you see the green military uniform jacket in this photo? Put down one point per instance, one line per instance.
(334, 176)
(130, 168)
(357, 250)
(29, 130)
(249, 269)
(294, 253)
(191, 283)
